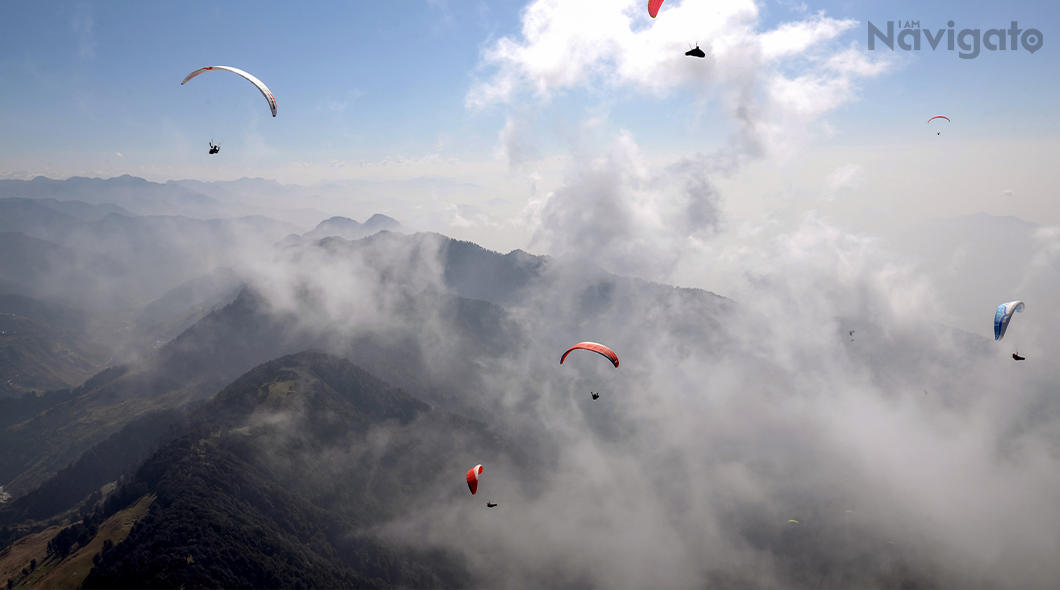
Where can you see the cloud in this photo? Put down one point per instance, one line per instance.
(727, 419)
(634, 216)
(843, 177)
(796, 38)
(516, 143)
(340, 105)
(773, 84)
(625, 215)
(442, 6)
(83, 25)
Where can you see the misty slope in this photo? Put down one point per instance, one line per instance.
(139, 280)
(44, 270)
(51, 219)
(281, 480)
(36, 357)
(118, 261)
(434, 344)
(184, 305)
(44, 312)
(129, 192)
(230, 341)
(270, 198)
(479, 333)
(191, 367)
(35, 219)
(46, 346)
(163, 252)
(86, 198)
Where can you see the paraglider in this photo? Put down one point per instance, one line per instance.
(231, 120)
(793, 521)
(472, 478)
(595, 395)
(594, 347)
(257, 83)
(1003, 315)
(490, 504)
(697, 52)
(653, 7)
(939, 117)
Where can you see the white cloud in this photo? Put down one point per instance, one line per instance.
(773, 84)
(798, 37)
(848, 176)
(83, 24)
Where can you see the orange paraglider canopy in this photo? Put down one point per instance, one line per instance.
(597, 348)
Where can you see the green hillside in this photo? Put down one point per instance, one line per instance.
(251, 496)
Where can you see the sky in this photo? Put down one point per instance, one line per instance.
(512, 99)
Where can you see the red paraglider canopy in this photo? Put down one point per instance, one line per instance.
(597, 348)
(472, 478)
(653, 7)
(939, 117)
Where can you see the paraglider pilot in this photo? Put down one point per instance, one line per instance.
(490, 504)
(214, 148)
(1017, 357)
(595, 395)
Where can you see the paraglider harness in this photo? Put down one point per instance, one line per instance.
(214, 148)
(595, 395)
(1017, 357)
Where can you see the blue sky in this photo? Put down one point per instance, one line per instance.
(367, 80)
(85, 77)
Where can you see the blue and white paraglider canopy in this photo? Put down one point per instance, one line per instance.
(1003, 315)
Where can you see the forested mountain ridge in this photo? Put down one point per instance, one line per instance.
(252, 497)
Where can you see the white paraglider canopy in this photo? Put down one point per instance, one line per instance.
(260, 86)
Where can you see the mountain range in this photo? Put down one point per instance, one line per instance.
(240, 403)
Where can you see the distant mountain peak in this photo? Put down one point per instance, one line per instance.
(349, 229)
(381, 220)
(339, 219)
